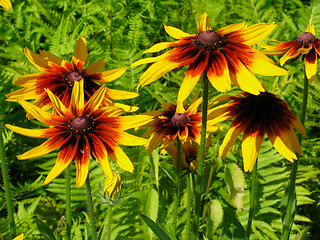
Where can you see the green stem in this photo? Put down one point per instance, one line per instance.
(68, 202)
(188, 207)
(6, 183)
(293, 175)
(213, 165)
(90, 207)
(198, 190)
(176, 189)
(252, 198)
(108, 229)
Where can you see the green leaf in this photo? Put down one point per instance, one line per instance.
(215, 216)
(304, 234)
(161, 233)
(235, 232)
(45, 230)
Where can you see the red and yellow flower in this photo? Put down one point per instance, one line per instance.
(306, 45)
(82, 130)
(225, 55)
(59, 77)
(255, 115)
(6, 4)
(175, 121)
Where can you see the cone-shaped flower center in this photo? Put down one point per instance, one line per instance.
(306, 37)
(208, 40)
(80, 125)
(179, 119)
(73, 76)
(190, 158)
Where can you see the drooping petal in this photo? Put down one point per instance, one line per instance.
(119, 94)
(229, 140)
(192, 76)
(299, 127)
(27, 80)
(100, 153)
(251, 144)
(46, 147)
(22, 94)
(50, 57)
(95, 67)
(154, 140)
(39, 62)
(219, 114)
(64, 158)
(283, 145)
(203, 23)
(109, 76)
(176, 33)
(218, 72)
(183, 133)
(82, 161)
(294, 141)
(77, 98)
(80, 53)
(290, 54)
(36, 133)
(219, 99)
(311, 65)
(58, 105)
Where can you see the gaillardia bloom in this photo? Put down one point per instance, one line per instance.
(175, 121)
(306, 45)
(225, 54)
(112, 185)
(6, 4)
(59, 77)
(80, 131)
(255, 115)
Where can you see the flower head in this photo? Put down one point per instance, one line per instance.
(59, 77)
(80, 131)
(112, 185)
(306, 45)
(255, 115)
(6, 4)
(225, 55)
(175, 121)
(20, 237)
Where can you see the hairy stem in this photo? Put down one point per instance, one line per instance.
(176, 189)
(291, 188)
(252, 198)
(6, 183)
(68, 202)
(188, 207)
(108, 228)
(90, 207)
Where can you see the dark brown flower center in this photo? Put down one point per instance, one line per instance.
(190, 158)
(208, 40)
(179, 119)
(75, 75)
(306, 37)
(80, 125)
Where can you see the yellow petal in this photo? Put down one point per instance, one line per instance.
(23, 94)
(218, 114)
(294, 141)
(109, 76)
(120, 158)
(119, 94)
(193, 108)
(95, 67)
(6, 4)
(290, 54)
(203, 23)
(95, 101)
(50, 57)
(126, 108)
(250, 149)
(154, 140)
(176, 33)
(311, 65)
(39, 62)
(127, 122)
(77, 98)
(147, 60)
(229, 141)
(256, 33)
(231, 28)
(80, 52)
(298, 125)
(58, 105)
(127, 139)
(160, 46)
(311, 29)
(219, 99)
(36, 133)
(27, 80)
(283, 145)
(82, 161)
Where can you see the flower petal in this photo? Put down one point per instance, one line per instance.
(298, 125)
(192, 76)
(95, 101)
(283, 145)
(80, 52)
(256, 33)
(231, 28)
(229, 140)
(154, 140)
(193, 108)
(311, 29)
(36, 133)
(82, 161)
(109, 76)
(176, 33)
(119, 94)
(127, 122)
(160, 46)
(58, 105)
(6, 4)
(251, 144)
(39, 62)
(292, 53)
(50, 57)
(311, 65)
(64, 158)
(77, 98)
(203, 23)
(95, 68)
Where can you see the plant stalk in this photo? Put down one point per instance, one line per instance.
(293, 175)
(68, 202)
(176, 189)
(252, 198)
(109, 213)
(198, 190)
(188, 207)
(90, 207)
(6, 183)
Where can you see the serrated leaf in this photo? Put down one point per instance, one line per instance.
(215, 216)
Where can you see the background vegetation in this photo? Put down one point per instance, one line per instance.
(118, 32)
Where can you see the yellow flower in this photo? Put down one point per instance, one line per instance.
(306, 45)
(255, 115)
(80, 131)
(6, 4)
(112, 185)
(59, 77)
(225, 55)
